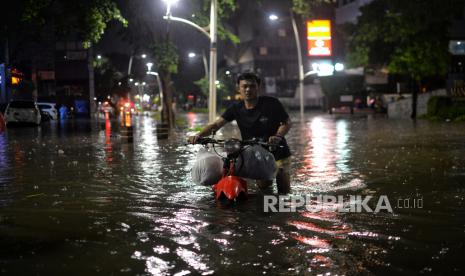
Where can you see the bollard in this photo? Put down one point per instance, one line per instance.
(126, 128)
(162, 130)
(2, 123)
(127, 133)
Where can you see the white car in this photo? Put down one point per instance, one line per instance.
(22, 112)
(50, 109)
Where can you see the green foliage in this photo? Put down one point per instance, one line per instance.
(225, 9)
(441, 108)
(305, 8)
(203, 85)
(406, 37)
(87, 18)
(225, 88)
(106, 77)
(437, 103)
(166, 56)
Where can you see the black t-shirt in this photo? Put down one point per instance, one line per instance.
(260, 122)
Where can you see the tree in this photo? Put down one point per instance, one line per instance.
(88, 19)
(404, 37)
(107, 78)
(28, 27)
(167, 60)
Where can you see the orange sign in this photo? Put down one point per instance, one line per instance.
(319, 37)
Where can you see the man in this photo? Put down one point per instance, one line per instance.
(258, 117)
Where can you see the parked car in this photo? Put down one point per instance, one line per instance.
(49, 108)
(22, 112)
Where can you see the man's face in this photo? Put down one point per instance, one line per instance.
(248, 90)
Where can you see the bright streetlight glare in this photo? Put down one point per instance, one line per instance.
(170, 2)
(191, 55)
(131, 80)
(273, 17)
(143, 83)
(339, 66)
(143, 55)
(136, 84)
(227, 73)
(99, 57)
(149, 66)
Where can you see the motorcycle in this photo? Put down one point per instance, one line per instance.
(231, 187)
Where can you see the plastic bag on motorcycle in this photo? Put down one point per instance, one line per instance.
(255, 162)
(207, 169)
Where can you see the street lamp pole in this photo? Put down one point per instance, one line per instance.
(212, 35)
(158, 82)
(213, 29)
(274, 17)
(205, 64)
(301, 66)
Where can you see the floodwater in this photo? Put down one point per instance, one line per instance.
(77, 199)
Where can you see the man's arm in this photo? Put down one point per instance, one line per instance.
(281, 132)
(208, 130)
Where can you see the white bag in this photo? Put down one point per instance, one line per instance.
(207, 169)
(255, 162)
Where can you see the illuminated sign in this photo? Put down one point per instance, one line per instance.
(319, 37)
(16, 76)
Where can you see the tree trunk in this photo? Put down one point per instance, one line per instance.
(167, 111)
(414, 89)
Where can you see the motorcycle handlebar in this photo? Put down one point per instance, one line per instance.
(206, 140)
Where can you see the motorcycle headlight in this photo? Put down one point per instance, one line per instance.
(232, 146)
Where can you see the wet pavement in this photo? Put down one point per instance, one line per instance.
(77, 199)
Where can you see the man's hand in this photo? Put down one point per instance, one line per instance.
(275, 140)
(193, 139)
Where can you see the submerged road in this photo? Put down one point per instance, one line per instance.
(77, 199)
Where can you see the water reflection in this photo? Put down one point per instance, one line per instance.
(325, 157)
(108, 143)
(114, 207)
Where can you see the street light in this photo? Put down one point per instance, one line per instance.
(212, 35)
(274, 17)
(160, 88)
(168, 5)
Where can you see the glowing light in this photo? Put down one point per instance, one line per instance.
(191, 55)
(319, 37)
(339, 67)
(273, 17)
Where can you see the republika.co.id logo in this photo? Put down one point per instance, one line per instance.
(342, 204)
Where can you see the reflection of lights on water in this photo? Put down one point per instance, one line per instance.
(321, 155)
(108, 144)
(149, 148)
(313, 241)
(317, 229)
(327, 153)
(191, 119)
(342, 150)
(3, 147)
